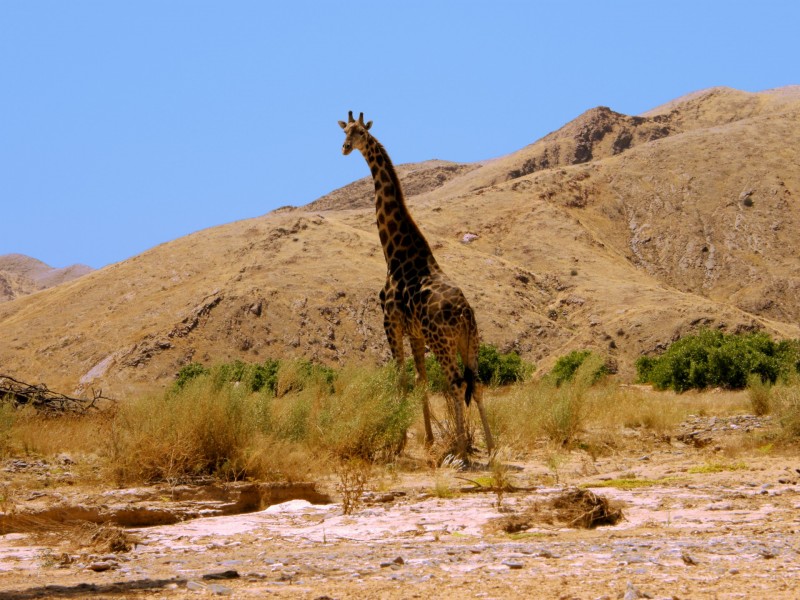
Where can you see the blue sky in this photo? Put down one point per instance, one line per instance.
(127, 124)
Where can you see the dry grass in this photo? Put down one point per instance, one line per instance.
(228, 431)
(786, 406)
(596, 417)
(25, 432)
(353, 475)
(759, 392)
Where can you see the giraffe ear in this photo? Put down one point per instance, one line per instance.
(368, 125)
(342, 124)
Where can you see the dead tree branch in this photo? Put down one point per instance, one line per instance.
(46, 401)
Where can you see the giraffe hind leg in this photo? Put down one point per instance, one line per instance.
(469, 354)
(455, 396)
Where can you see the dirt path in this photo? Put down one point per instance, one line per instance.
(699, 526)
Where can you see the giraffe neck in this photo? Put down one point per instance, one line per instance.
(400, 237)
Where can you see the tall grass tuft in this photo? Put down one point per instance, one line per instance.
(212, 426)
(543, 408)
(366, 417)
(759, 391)
(786, 403)
(199, 429)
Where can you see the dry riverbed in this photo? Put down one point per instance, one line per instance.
(697, 523)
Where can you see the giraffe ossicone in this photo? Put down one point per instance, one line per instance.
(418, 300)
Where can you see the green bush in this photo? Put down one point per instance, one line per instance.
(715, 359)
(566, 366)
(494, 368)
(189, 372)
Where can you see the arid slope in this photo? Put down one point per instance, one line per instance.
(617, 233)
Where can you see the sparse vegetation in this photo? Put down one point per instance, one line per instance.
(718, 467)
(543, 408)
(353, 475)
(712, 358)
(292, 420)
(631, 483)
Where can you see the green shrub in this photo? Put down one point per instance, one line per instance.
(297, 375)
(189, 372)
(265, 376)
(566, 366)
(714, 359)
(494, 368)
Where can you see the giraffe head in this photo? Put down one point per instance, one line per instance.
(355, 133)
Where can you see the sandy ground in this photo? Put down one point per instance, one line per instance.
(707, 527)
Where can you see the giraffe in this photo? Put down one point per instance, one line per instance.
(418, 299)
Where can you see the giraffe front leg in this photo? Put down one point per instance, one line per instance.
(393, 326)
(418, 350)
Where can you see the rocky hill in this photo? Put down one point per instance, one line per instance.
(616, 232)
(21, 275)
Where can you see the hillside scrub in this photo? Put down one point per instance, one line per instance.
(568, 365)
(712, 358)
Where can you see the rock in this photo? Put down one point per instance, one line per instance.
(688, 559)
(513, 564)
(102, 565)
(632, 593)
(195, 586)
(219, 590)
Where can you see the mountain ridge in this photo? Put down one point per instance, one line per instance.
(21, 275)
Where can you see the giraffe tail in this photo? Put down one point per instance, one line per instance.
(469, 378)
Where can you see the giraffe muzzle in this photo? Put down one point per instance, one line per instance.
(347, 148)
